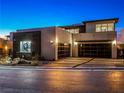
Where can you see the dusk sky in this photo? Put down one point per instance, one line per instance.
(21, 14)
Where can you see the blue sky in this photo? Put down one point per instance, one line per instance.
(20, 14)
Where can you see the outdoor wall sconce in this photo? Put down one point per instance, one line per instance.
(51, 42)
(6, 48)
(75, 43)
(114, 42)
(65, 44)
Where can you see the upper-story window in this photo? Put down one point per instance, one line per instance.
(111, 27)
(104, 27)
(74, 31)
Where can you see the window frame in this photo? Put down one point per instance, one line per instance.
(103, 28)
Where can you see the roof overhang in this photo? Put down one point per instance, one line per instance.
(111, 19)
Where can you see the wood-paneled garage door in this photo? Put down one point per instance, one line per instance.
(95, 50)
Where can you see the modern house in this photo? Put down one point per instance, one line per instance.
(95, 38)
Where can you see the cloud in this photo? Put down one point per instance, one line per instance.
(4, 32)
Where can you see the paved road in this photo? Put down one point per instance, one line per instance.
(60, 81)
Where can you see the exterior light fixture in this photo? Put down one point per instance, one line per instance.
(75, 43)
(114, 42)
(81, 45)
(56, 40)
(6, 48)
(65, 44)
(51, 42)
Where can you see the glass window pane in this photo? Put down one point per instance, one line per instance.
(111, 27)
(98, 28)
(104, 27)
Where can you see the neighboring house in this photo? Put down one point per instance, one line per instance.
(120, 42)
(120, 39)
(89, 39)
(5, 46)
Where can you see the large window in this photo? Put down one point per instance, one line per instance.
(104, 27)
(25, 46)
(74, 31)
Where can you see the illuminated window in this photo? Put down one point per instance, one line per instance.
(104, 27)
(110, 27)
(25, 46)
(74, 31)
(98, 28)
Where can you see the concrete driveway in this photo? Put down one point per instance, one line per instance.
(67, 62)
(84, 62)
(102, 62)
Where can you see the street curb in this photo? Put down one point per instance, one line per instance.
(67, 68)
(64, 68)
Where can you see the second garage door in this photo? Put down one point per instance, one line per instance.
(95, 50)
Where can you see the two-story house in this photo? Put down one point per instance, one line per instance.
(95, 38)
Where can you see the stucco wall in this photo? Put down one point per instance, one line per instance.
(121, 37)
(48, 48)
(63, 36)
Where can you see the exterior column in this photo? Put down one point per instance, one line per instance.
(75, 49)
(114, 51)
(71, 46)
(56, 51)
(56, 45)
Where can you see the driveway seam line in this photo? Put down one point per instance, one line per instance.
(83, 63)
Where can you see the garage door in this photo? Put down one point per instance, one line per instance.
(63, 50)
(94, 50)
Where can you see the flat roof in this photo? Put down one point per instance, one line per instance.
(34, 29)
(72, 26)
(67, 26)
(110, 19)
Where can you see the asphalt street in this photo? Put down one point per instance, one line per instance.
(60, 81)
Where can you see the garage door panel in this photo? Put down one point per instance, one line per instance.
(63, 50)
(94, 50)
